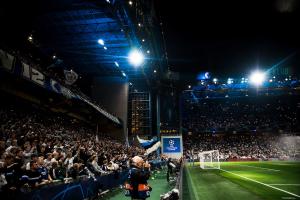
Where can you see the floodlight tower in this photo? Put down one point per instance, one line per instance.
(136, 58)
(257, 78)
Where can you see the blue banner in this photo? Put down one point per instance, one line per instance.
(171, 145)
(18, 67)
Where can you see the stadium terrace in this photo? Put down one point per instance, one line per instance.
(149, 100)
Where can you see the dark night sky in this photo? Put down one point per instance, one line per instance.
(230, 38)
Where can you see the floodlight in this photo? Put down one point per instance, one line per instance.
(136, 58)
(100, 41)
(257, 78)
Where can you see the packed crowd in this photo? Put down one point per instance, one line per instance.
(245, 146)
(246, 114)
(38, 148)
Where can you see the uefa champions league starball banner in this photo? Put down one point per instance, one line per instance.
(172, 146)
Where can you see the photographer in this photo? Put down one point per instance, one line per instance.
(139, 173)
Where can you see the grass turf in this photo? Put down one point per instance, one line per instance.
(232, 183)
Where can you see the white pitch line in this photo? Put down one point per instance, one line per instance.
(275, 170)
(275, 188)
(286, 184)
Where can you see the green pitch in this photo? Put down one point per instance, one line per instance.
(243, 181)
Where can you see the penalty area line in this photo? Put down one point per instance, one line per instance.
(270, 186)
(275, 170)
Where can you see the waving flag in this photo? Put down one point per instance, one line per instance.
(150, 145)
(147, 143)
(153, 148)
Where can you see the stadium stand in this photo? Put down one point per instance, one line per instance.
(39, 147)
(247, 124)
(246, 146)
(243, 114)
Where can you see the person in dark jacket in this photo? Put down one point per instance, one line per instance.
(139, 173)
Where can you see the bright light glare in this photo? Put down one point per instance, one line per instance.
(215, 80)
(136, 58)
(100, 41)
(257, 78)
(117, 64)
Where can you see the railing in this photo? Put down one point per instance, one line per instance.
(179, 180)
(81, 188)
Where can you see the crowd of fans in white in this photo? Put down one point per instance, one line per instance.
(266, 113)
(38, 148)
(259, 127)
(246, 146)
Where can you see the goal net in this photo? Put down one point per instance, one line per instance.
(209, 159)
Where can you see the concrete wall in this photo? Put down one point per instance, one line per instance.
(112, 94)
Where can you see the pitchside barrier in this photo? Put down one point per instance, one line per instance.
(179, 180)
(82, 188)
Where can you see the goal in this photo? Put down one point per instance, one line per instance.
(209, 159)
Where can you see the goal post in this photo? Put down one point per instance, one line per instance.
(209, 159)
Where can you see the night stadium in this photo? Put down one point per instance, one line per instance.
(149, 99)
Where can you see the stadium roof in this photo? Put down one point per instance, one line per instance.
(91, 37)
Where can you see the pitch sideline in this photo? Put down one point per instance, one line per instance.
(193, 186)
